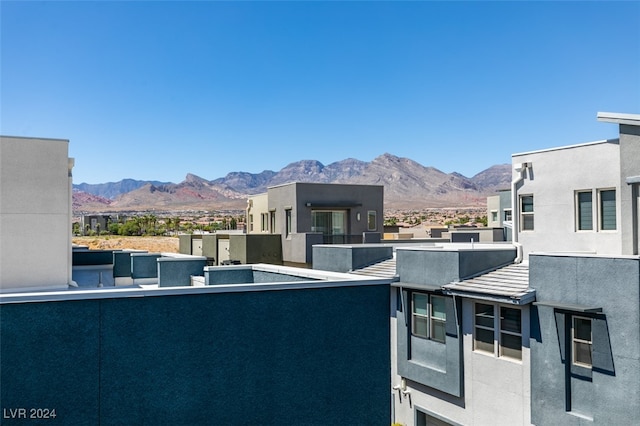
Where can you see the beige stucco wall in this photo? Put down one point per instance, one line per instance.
(35, 213)
(256, 205)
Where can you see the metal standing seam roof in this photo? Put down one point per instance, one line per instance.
(509, 283)
(383, 269)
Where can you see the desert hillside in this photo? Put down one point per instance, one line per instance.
(151, 244)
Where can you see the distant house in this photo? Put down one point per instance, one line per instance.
(304, 214)
(94, 223)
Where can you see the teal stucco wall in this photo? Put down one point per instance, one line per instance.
(312, 356)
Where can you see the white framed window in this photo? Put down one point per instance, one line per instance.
(526, 213)
(264, 222)
(581, 341)
(371, 220)
(584, 210)
(507, 215)
(607, 209)
(428, 316)
(250, 222)
(498, 335)
(494, 215)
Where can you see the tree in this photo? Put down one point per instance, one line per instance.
(130, 227)
(114, 228)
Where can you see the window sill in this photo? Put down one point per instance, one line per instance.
(503, 358)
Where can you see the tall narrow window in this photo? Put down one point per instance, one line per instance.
(494, 215)
(288, 221)
(608, 210)
(264, 222)
(484, 328)
(510, 333)
(371, 220)
(272, 217)
(420, 318)
(438, 318)
(585, 210)
(582, 341)
(526, 209)
(250, 222)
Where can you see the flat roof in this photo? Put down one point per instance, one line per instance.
(615, 141)
(619, 118)
(317, 279)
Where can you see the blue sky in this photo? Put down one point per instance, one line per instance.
(156, 90)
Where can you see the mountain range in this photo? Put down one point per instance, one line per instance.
(407, 184)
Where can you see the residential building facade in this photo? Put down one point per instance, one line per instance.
(542, 331)
(304, 214)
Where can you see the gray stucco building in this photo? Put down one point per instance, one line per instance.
(304, 214)
(544, 330)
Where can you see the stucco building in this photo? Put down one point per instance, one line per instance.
(543, 330)
(304, 214)
(35, 213)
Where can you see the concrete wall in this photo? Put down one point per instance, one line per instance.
(630, 192)
(609, 393)
(439, 266)
(340, 258)
(35, 213)
(177, 271)
(426, 362)
(256, 248)
(190, 359)
(553, 179)
(144, 265)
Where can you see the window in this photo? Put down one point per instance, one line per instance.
(424, 419)
(510, 333)
(484, 328)
(264, 222)
(526, 209)
(500, 336)
(272, 217)
(584, 207)
(329, 222)
(581, 341)
(250, 222)
(494, 215)
(287, 214)
(507, 215)
(371, 220)
(428, 319)
(608, 210)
